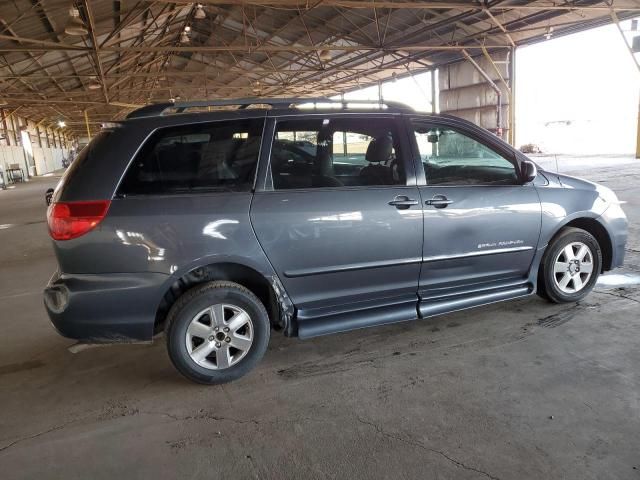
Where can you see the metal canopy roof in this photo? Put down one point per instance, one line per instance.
(133, 55)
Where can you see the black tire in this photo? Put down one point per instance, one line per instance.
(548, 287)
(199, 298)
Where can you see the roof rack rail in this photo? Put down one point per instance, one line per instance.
(159, 109)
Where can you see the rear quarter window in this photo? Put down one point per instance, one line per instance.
(88, 155)
(217, 156)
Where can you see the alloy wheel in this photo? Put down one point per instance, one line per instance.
(573, 267)
(219, 336)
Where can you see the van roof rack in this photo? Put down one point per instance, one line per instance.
(159, 109)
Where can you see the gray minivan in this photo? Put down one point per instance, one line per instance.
(217, 227)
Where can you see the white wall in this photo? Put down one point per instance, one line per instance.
(46, 159)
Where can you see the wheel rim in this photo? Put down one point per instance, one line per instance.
(573, 267)
(219, 336)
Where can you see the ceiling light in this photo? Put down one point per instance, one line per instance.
(200, 13)
(62, 123)
(257, 88)
(184, 37)
(94, 86)
(75, 25)
(325, 55)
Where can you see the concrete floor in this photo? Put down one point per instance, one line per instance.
(519, 390)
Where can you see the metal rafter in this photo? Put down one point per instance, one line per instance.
(274, 41)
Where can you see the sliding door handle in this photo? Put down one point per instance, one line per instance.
(402, 202)
(439, 201)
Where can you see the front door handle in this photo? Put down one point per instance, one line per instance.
(439, 201)
(402, 203)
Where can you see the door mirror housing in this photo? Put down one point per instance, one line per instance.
(529, 171)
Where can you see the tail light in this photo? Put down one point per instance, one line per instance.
(69, 220)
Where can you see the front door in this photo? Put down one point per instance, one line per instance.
(340, 216)
(481, 224)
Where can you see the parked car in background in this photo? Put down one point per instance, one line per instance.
(220, 227)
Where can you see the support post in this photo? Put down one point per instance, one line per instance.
(4, 127)
(512, 97)
(433, 91)
(638, 131)
(616, 20)
(86, 122)
(15, 130)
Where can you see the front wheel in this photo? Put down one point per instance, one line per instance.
(570, 267)
(217, 332)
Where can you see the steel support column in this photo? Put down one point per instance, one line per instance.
(616, 20)
(86, 122)
(512, 97)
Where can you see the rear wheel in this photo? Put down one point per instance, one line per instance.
(217, 332)
(570, 267)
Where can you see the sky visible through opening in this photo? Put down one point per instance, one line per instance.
(574, 95)
(578, 94)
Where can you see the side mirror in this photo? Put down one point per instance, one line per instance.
(48, 196)
(432, 138)
(529, 171)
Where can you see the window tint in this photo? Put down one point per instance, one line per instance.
(452, 158)
(196, 158)
(324, 153)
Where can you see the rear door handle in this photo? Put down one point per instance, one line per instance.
(439, 201)
(401, 202)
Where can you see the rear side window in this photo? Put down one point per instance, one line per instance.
(92, 153)
(336, 152)
(219, 156)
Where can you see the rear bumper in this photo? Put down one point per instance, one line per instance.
(104, 308)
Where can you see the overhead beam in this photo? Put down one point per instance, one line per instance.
(202, 74)
(96, 51)
(260, 49)
(370, 4)
(42, 43)
(500, 26)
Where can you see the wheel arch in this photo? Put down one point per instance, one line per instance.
(595, 228)
(266, 287)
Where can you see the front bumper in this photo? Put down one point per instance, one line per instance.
(615, 221)
(103, 308)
